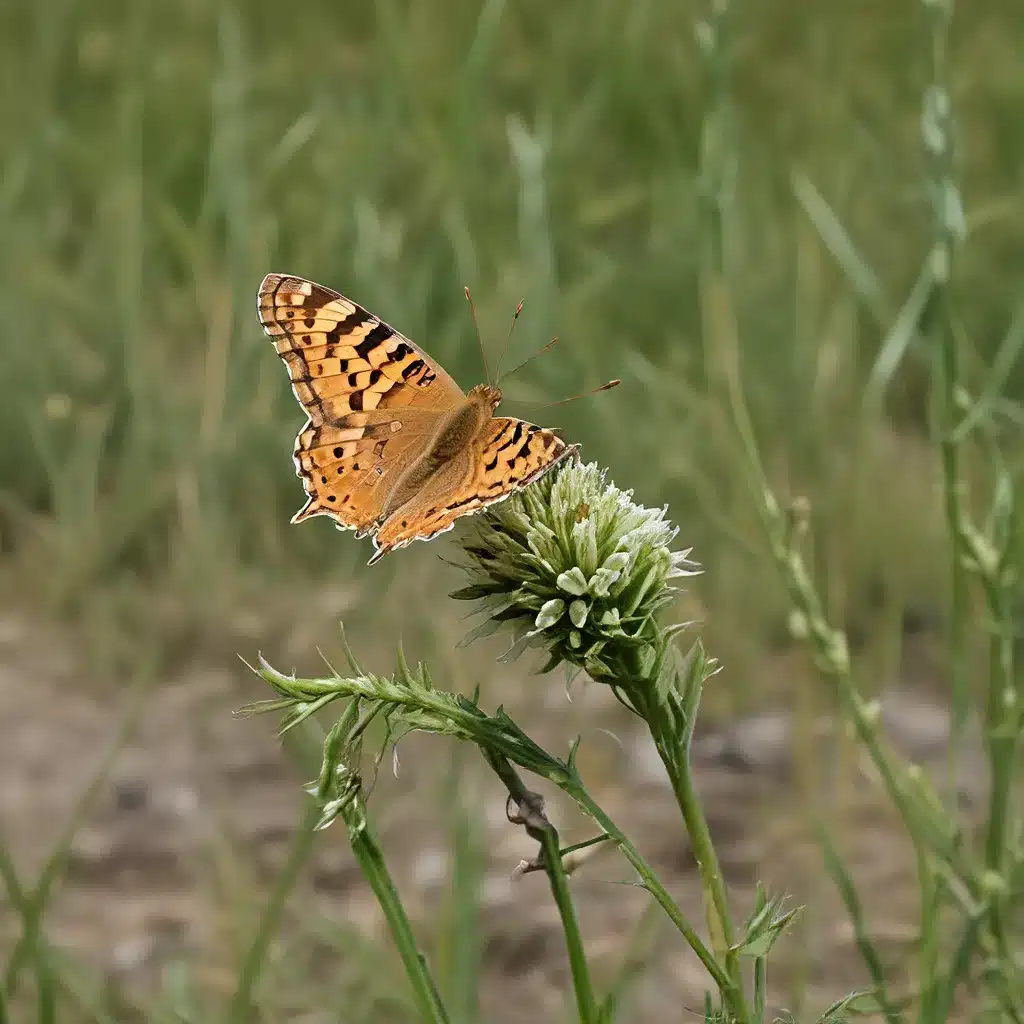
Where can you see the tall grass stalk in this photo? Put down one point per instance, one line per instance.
(949, 873)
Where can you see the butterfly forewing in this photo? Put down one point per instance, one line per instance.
(342, 359)
(353, 374)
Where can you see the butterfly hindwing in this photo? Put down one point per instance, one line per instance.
(508, 455)
(347, 471)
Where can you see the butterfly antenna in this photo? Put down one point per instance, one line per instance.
(504, 348)
(483, 353)
(583, 394)
(528, 359)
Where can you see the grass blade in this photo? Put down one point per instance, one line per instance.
(241, 1006)
(851, 900)
(34, 904)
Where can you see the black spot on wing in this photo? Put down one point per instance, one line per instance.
(373, 340)
(413, 368)
(348, 325)
(514, 439)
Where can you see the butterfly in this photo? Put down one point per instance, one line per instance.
(392, 447)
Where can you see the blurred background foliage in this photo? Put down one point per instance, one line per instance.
(158, 159)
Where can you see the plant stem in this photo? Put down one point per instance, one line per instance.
(732, 997)
(1000, 712)
(939, 335)
(1000, 707)
(36, 900)
(585, 998)
(504, 744)
(719, 918)
(302, 846)
(1002, 733)
(371, 860)
(760, 987)
(532, 817)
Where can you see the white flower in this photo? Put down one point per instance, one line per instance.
(575, 566)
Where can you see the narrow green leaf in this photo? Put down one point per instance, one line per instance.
(869, 954)
(837, 240)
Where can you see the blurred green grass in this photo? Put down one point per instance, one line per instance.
(158, 159)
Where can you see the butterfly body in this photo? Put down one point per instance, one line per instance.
(392, 447)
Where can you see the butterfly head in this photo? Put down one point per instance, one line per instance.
(487, 395)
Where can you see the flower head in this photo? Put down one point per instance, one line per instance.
(575, 566)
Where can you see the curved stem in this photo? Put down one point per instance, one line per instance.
(371, 860)
(532, 817)
(731, 995)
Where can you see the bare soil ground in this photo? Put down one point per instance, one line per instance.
(199, 809)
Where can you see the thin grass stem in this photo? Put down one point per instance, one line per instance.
(240, 1008)
(370, 857)
(34, 903)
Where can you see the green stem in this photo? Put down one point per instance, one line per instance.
(1001, 736)
(760, 988)
(35, 901)
(498, 735)
(929, 951)
(585, 998)
(539, 828)
(371, 860)
(732, 997)
(240, 1009)
(719, 918)
(1000, 717)
(1001, 740)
